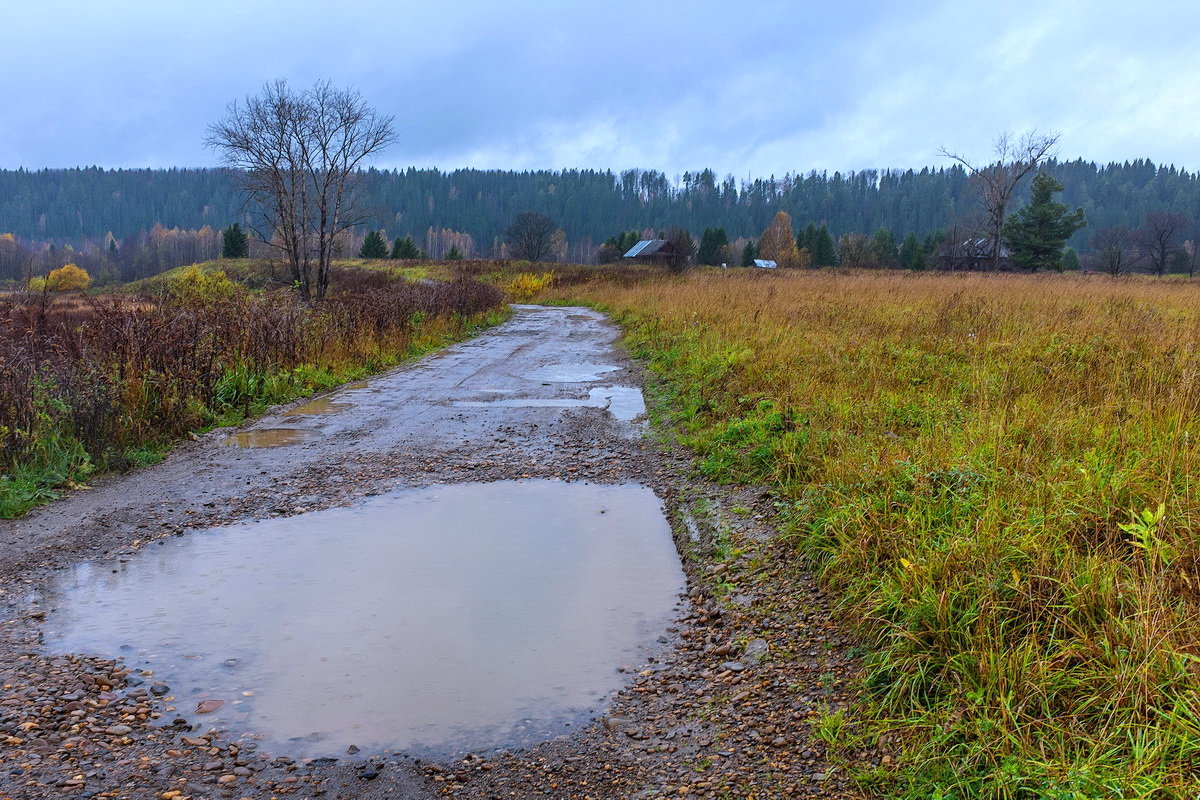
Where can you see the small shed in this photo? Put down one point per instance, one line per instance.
(652, 251)
(765, 263)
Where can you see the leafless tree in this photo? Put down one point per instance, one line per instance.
(1015, 158)
(530, 237)
(299, 155)
(1115, 250)
(1157, 238)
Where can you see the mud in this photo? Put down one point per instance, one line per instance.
(724, 708)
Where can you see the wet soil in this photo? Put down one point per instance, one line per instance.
(725, 707)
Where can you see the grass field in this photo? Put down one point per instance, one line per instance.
(997, 474)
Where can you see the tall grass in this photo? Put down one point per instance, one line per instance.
(103, 383)
(999, 476)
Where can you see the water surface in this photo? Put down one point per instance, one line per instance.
(437, 620)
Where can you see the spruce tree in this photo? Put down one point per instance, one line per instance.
(405, 248)
(711, 243)
(808, 240)
(910, 252)
(1035, 235)
(883, 248)
(235, 243)
(454, 254)
(374, 246)
(823, 253)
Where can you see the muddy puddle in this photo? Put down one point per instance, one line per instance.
(271, 437)
(322, 405)
(625, 403)
(433, 621)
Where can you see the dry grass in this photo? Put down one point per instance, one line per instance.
(89, 383)
(969, 460)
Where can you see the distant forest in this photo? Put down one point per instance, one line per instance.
(103, 209)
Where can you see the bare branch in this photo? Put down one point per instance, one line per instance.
(299, 155)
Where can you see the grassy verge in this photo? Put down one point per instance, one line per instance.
(998, 476)
(92, 384)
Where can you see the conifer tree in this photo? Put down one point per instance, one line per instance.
(883, 248)
(374, 246)
(824, 254)
(454, 253)
(808, 239)
(911, 254)
(405, 248)
(1035, 235)
(235, 243)
(711, 244)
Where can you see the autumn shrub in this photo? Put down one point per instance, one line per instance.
(526, 285)
(91, 385)
(1000, 478)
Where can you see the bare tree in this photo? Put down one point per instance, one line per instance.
(1156, 239)
(1115, 251)
(1015, 158)
(299, 154)
(531, 236)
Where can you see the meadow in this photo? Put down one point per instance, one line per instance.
(95, 383)
(995, 473)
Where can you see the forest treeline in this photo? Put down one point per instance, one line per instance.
(100, 210)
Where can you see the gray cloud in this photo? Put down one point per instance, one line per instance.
(764, 88)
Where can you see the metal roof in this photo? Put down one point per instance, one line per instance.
(765, 263)
(645, 247)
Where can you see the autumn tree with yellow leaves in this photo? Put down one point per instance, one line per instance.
(67, 278)
(778, 244)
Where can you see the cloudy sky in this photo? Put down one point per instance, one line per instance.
(749, 89)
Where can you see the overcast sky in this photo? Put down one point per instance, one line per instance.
(749, 89)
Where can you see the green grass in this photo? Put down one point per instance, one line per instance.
(974, 464)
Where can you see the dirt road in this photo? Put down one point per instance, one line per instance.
(545, 395)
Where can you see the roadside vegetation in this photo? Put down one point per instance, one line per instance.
(998, 476)
(101, 383)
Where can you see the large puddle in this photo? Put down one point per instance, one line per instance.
(434, 621)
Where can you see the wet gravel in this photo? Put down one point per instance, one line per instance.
(724, 707)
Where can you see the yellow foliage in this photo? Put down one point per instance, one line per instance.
(7, 237)
(37, 284)
(194, 286)
(779, 245)
(527, 284)
(68, 278)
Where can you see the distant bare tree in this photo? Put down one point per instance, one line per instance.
(1015, 158)
(531, 236)
(299, 154)
(1115, 250)
(1157, 238)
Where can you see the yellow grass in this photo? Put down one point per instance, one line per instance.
(976, 463)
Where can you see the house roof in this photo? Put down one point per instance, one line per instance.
(646, 247)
